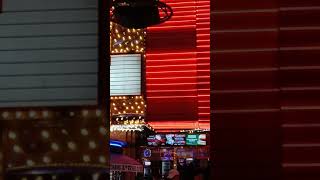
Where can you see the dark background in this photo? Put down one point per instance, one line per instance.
(265, 91)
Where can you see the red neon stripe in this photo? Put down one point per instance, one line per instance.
(172, 27)
(172, 84)
(160, 66)
(173, 90)
(168, 97)
(167, 78)
(161, 72)
(162, 54)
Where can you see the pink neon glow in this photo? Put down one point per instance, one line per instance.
(182, 65)
(161, 72)
(172, 27)
(168, 97)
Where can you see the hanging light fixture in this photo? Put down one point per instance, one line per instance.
(140, 14)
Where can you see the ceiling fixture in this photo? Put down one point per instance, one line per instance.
(140, 14)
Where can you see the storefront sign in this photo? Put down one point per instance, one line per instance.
(196, 139)
(177, 140)
(126, 168)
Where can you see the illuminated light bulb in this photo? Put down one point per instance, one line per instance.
(86, 158)
(129, 37)
(95, 176)
(115, 108)
(17, 149)
(98, 112)
(54, 146)
(133, 30)
(18, 114)
(122, 118)
(124, 97)
(121, 50)
(132, 44)
(46, 159)
(142, 102)
(92, 145)
(124, 104)
(115, 40)
(120, 97)
(123, 38)
(142, 112)
(111, 97)
(136, 103)
(63, 131)
(117, 50)
(12, 135)
(30, 162)
(127, 107)
(71, 113)
(72, 145)
(117, 31)
(139, 107)
(5, 115)
(85, 113)
(84, 132)
(103, 130)
(45, 134)
(137, 112)
(137, 42)
(140, 37)
(128, 30)
(127, 48)
(102, 159)
(116, 97)
(45, 114)
(32, 114)
(124, 112)
(132, 107)
(119, 113)
(112, 51)
(120, 45)
(118, 35)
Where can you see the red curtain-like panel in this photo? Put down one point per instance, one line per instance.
(266, 102)
(245, 90)
(178, 68)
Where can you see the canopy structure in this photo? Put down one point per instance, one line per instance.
(123, 163)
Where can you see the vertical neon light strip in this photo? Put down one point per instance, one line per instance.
(180, 71)
(203, 62)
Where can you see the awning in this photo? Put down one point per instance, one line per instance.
(123, 163)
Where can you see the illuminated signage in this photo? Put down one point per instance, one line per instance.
(125, 75)
(177, 140)
(196, 139)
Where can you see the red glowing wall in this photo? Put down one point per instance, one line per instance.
(178, 68)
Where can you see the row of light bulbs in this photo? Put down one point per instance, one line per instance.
(48, 160)
(46, 135)
(125, 97)
(33, 114)
(124, 40)
(54, 177)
